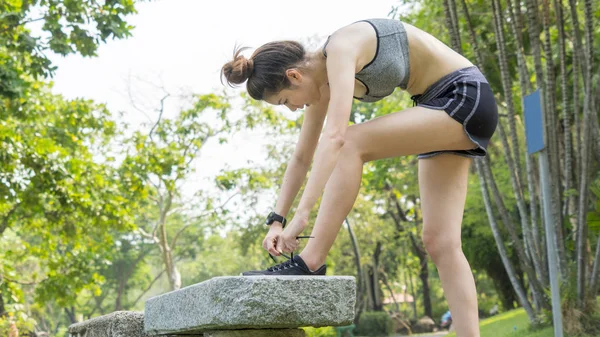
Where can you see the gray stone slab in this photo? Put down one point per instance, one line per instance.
(257, 333)
(116, 324)
(253, 302)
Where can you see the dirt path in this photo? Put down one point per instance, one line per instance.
(436, 334)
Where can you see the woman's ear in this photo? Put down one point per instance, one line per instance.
(294, 76)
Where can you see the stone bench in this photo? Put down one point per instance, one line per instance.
(257, 306)
(117, 324)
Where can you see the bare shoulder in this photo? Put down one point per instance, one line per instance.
(357, 41)
(355, 31)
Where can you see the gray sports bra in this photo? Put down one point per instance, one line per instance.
(390, 68)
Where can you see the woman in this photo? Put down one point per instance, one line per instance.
(454, 116)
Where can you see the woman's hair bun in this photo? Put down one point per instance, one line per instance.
(239, 69)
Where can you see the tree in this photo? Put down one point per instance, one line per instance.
(543, 52)
(50, 181)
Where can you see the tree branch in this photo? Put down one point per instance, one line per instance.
(174, 242)
(143, 254)
(160, 113)
(21, 23)
(3, 277)
(148, 288)
(5, 219)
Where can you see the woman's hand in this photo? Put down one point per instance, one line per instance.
(287, 241)
(270, 241)
(279, 240)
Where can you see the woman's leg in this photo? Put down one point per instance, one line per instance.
(412, 131)
(443, 183)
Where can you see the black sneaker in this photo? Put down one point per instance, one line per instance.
(294, 266)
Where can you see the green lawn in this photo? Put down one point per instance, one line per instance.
(511, 324)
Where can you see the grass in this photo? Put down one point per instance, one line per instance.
(513, 323)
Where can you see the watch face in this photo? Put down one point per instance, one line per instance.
(269, 219)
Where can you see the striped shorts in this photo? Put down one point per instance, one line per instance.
(467, 97)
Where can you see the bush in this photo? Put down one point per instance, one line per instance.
(327, 331)
(374, 323)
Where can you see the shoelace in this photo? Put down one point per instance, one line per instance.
(290, 261)
(415, 99)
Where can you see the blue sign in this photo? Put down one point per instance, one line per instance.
(534, 127)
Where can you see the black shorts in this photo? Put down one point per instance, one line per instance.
(467, 97)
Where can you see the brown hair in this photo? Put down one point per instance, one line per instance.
(265, 70)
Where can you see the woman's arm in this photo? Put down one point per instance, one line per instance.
(298, 165)
(341, 64)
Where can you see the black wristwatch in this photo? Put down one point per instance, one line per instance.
(272, 217)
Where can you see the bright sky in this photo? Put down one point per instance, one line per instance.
(184, 43)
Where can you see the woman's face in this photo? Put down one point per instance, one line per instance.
(300, 94)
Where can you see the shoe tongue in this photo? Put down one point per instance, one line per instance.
(297, 259)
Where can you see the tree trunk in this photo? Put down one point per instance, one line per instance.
(537, 290)
(522, 208)
(98, 304)
(472, 35)
(377, 301)
(368, 270)
(589, 34)
(595, 271)
(538, 240)
(452, 27)
(507, 88)
(502, 283)
(533, 29)
(360, 285)
(2, 309)
(574, 133)
(576, 122)
(386, 283)
(552, 133)
(595, 131)
(421, 253)
(516, 28)
(525, 82)
(424, 276)
(521, 294)
(413, 292)
(581, 59)
(534, 32)
(582, 208)
(172, 272)
(147, 289)
(454, 15)
(423, 263)
(513, 167)
(579, 67)
(120, 292)
(550, 112)
(586, 154)
(71, 314)
(398, 215)
(568, 162)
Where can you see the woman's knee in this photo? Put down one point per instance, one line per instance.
(352, 144)
(440, 244)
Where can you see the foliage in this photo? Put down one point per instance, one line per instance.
(55, 194)
(58, 197)
(374, 323)
(327, 331)
(72, 27)
(511, 323)
(77, 216)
